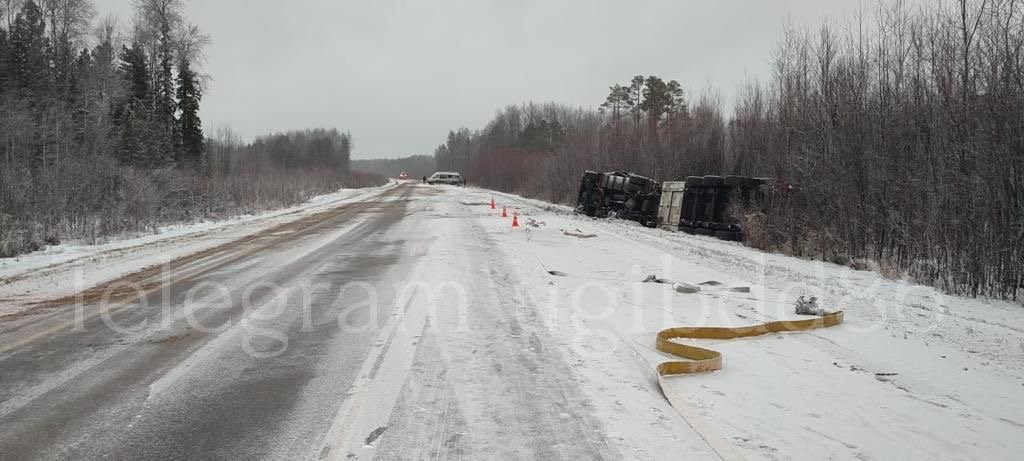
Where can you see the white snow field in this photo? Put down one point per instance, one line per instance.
(507, 335)
(912, 374)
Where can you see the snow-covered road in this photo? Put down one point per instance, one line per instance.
(413, 322)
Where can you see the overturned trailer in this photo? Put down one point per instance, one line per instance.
(619, 194)
(704, 209)
(699, 205)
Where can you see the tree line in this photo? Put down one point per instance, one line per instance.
(277, 170)
(416, 166)
(900, 134)
(100, 126)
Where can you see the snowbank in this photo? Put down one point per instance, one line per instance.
(66, 269)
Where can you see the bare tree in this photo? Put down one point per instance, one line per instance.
(9, 10)
(899, 140)
(69, 21)
(191, 43)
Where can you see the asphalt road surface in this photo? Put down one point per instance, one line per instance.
(307, 341)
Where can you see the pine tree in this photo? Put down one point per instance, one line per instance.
(619, 100)
(167, 132)
(140, 140)
(658, 99)
(102, 90)
(135, 69)
(131, 130)
(190, 125)
(4, 61)
(28, 58)
(678, 100)
(77, 99)
(29, 80)
(636, 87)
(5, 66)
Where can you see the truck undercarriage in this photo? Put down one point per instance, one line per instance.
(619, 194)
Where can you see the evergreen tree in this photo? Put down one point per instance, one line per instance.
(678, 100)
(619, 100)
(141, 137)
(76, 97)
(168, 135)
(5, 150)
(636, 87)
(658, 99)
(133, 131)
(135, 69)
(190, 125)
(28, 60)
(67, 22)
(542, 136)
(102, 88)
(29, 81)
(4, 61)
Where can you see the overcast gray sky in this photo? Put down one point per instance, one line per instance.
(399, 74)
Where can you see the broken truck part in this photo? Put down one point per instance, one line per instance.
(671, 209)
(619, 194)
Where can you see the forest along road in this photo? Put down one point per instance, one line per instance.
(382, 328)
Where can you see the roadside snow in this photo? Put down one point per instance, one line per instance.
(66, 269)
(513, 332)
(913, 373)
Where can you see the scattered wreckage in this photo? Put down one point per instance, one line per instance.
(699, 205)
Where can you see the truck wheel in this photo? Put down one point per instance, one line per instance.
(728, 236)
(688, 230)
(694, 181)
(705, 231)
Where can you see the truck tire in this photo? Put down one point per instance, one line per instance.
(713, 181)
(694, 181)
(728, 236)
(688, 230)
(735, 182)
(705, 231)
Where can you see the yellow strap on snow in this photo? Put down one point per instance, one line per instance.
(705, 360)
(702, 360)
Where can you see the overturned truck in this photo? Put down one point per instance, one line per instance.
(700, 205)
(706, 200)
(619, 194)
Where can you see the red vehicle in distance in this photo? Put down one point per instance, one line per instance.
(404, 176)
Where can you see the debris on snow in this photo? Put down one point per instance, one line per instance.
(375, 435)
(685, 288)
(578, 234)
(809, 307)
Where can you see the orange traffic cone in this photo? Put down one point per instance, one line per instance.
(515, 220)
(494, 206)
(504, 212)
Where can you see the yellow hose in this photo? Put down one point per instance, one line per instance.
(702, 360)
